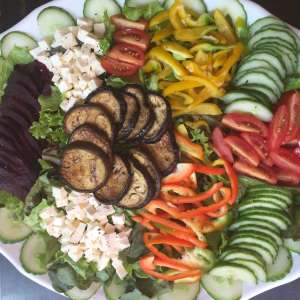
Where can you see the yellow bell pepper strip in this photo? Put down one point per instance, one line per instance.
(197, 124)
(204, 95)
(173, 15)
(181, 86)
(208, 47)
(159, 18)
(210, 63)
(152, 65)
(177, 49)
(201, 109)
(219, 37)
(188, 147)
(193, 34)
(167, 71)
(164, 84)
(188, 21)
(206, 83)
(181, 128)
(187, 99)
(162, 34)
(224, 27)
(218, 162)
(219, 58)
(235, 56)
(201, 57)
(176, 104)
(166, 58)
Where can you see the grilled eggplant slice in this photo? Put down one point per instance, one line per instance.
(146, 161)
(84, 167)
(131, 117)
(145, 118)
(162, 118)
(89, 114)
(140, 190)
(91, 134)
(165, 153)
(113, 102)
(118, 183)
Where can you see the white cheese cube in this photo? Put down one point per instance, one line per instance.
(54, 231)
(56, 60)
(118, 220)
(59, 35)
(73, 29)
(44, 45)
(35, 52)
(63, 86)
(82, 35)
(86, 92)
(67, 104)
(103, 262)
(78, 234)
(59, 221)
(97, 67)
(120, 270)
(99, 29)
(48, 212)
(77, 93)
(92, 40)
(94, 84)
(56, 78)
(109, 228)
(75, 253)
(68, 56)
(69, 41)
(61, 196)
(85, 23)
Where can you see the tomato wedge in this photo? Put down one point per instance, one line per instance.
(127, 53)
(124, 23)
(262, 172)
(133, 37)
(286, 159)
(293, 105)
(220, 146)
(118, 68)
(287, 177)
(245, 122)
(278, 128)
(243, 149)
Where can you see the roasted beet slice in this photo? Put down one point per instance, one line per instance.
(140, 190)
(10, 113)
(92, 114)
(165, 153)
(131, 117)
(118, 183)
(147, 162)
(162, 118)
(145, 118)
(91, 134)
(112, 101)
(85, 167)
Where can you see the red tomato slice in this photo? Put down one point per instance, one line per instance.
(278, 128)
(287, 177)
(245, 122)
(257, 142)
(243, 149)
(286, 159)
(118, 68)
(293, 104)
(124, 23)
(297, 151)
(127, 53)
(261, 172)
(133, 37)
(219, 145)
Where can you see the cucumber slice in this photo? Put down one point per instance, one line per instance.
(197, 6)
(259, 249)
(34, 248)
(182, 291)
(12, 230)
(235, 10)
(262, 23)
(263, 231)
(114, 289)
(267, 188)
(268, 195)
(281, 267)
(257, 109)
(250, 221)
(77, 294)
(258, 269)
(265, 201)
(220, 288)
(137, 3)
(53, 18)
(292, 245)
(298, 65)
(232, 253)
(233, 271)
(16, 39)
(95, 9)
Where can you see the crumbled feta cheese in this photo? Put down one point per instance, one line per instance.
(67, 104)
(36, 52)
(99, 29)
(85, 23)
(73, 29)
(44, 45)
(118, 219)
(61, 196)
(78, 234)
(69, 41)
(64, 86)
(56, 60)
(119, 267)
(82, 35)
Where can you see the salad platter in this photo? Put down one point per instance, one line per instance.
(151, 149)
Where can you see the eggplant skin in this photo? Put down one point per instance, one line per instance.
(91, 134)
(145, 118)
(84, 167)
(112, 101)
(165, 153)
(131, 117)
(147, 162)
(118, 183)
(140, 191)
(92, 114)
(162, 118)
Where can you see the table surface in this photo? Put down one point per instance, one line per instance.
(13, 286)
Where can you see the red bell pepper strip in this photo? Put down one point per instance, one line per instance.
(183, 171)
(188, 147)
(208, 170)
(197, 198)
(156, 204)
(171, 240)
(221, 213)
(144, 222)
(177, 189)
(190, 238)
(233, 182)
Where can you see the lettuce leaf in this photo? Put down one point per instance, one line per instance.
(12, 203)
(107, 40)
(134, 295)
(20, 55)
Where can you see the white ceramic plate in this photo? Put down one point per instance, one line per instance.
(75, 7)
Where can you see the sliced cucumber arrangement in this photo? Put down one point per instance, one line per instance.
(53, 18)
(95, 9)
(16, 39)
(197, 6)
(77, 294)
(182, 291)
(12, 230)
(292, 245)
(114, 289)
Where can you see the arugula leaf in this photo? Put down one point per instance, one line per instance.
(50, 124)
(146, 12)
(134, 295)
(115, 82)
(200, 136)
(106, 41)
(12, 203)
